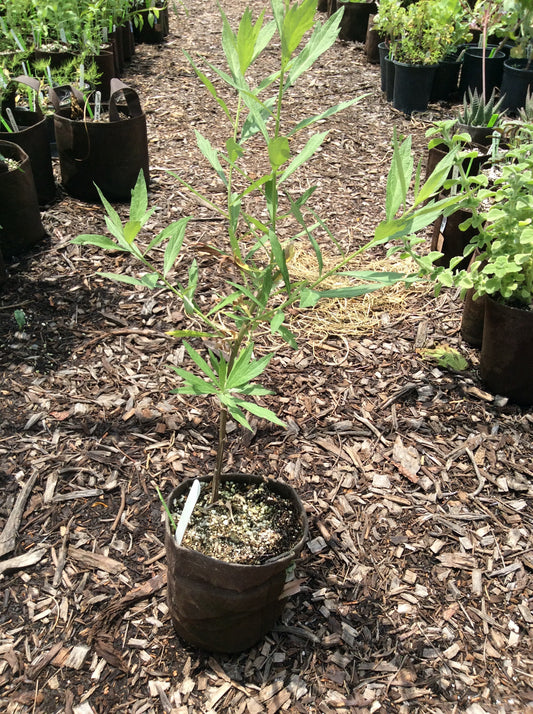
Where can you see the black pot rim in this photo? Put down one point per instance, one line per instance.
(277, 485)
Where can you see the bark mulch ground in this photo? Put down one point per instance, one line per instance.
(414, 593)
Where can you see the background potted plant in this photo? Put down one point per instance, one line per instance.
(502, 271)
(424, 38)
(517, 76)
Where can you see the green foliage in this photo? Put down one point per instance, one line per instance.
(257, 211)
(503, 266)
(425, 31)
(446, 357)
(478, 111)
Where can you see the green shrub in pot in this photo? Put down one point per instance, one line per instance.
(264, 217)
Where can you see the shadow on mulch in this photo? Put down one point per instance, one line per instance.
(40, 320)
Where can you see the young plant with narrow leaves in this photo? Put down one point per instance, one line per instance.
(260, 288)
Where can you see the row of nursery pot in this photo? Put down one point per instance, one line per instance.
(61, 43)
(224, 595)
(427, 53)
(97, 144)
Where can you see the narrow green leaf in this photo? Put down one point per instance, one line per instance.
(211, 155)
(209, 85)
(399, 176)
(309, 149)
(190, 333)
(279, 259)
(261, 412)
(98, 241)
(175, 233)
(200, 362)
(277, 320)
(193, 384)
(288, 336)
(139, 199)
(329, 112)
(119, 278)
(131, 231)
(279, 151)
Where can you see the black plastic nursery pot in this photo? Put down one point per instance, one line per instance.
(390, 75)
(472, 70)
(412, 86)
(517, 80)
(446, 80)
(109, 154)
(473, 318)
(448, 238)
(20, 219)
(507, 351)
(354, 22)
(227, 607)
(383, 50)
(33, 137)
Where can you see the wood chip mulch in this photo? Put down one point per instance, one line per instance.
(414, 593)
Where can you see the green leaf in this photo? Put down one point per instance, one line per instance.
(279, 151)
(234, 150)
(299, 18)
(246, 369)
(309, 149)
(288, 336)
(112, 215)
(329, 112)
(277, 320)
(189, 333)
(131, 230)
(175, 234)
(261, 412)
(193, 384)
(351, 292)
(279, 259)
(399, 176)
(235, 412)
(209, 86)
(211, 155)
(98, 241)
(200, 362)
(139, 199)
(321, 40)
(128, 279)
(309, 298)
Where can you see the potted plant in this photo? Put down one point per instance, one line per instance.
(501, 269)
(103, 148)
(20, 219)
(221, 605)
(483, 64)
(502, 272)
(422, 42)
(518, 67)
(386, 24)
(23, 122)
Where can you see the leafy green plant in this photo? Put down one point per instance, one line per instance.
(478, 111)
(257, 211)
(426, 30)
(503, 266)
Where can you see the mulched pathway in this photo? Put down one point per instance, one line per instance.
(414, 593)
